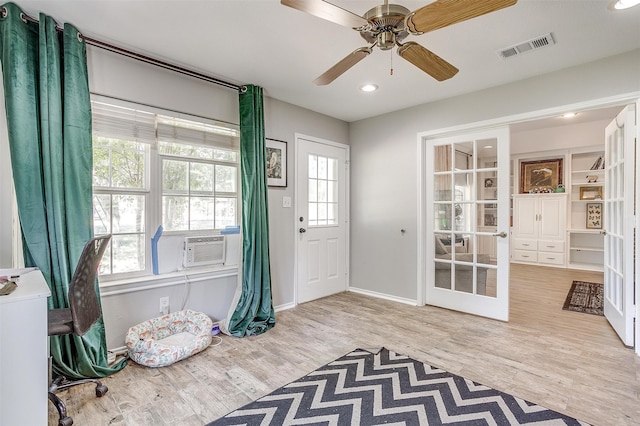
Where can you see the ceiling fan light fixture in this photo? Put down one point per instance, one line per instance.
(369, 87)
(387, 25)
(623, 4)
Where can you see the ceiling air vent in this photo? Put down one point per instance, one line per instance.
(527, 46)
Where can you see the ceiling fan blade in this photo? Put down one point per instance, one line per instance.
(427, 61)
(327, 11)
(338, 69)
(442, 13)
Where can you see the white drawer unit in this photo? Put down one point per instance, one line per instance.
(525, 256)
(552, 246)
(519, 244)
(550, 258)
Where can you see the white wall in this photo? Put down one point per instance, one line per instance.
(384, 161)
(559, 137)
(6, 214)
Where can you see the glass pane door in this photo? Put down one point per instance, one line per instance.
(467, 210)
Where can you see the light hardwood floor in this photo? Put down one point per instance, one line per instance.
(566, 361)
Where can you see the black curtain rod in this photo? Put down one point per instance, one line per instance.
(147, 59)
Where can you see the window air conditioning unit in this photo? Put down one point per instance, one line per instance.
(201, 251)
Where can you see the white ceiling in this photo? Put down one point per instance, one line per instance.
(282, 49)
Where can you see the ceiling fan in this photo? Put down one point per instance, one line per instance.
(388, 25)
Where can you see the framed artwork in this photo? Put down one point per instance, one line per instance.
(591, 193)
(540, 176)
(594, 215)
(276, 162)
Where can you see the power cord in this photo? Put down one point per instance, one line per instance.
(187, 291)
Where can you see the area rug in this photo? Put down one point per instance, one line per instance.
(382, 387)
(585, 297)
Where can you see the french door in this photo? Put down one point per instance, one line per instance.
(619, 200)
(467, 214)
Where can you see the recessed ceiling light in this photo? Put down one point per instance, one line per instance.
(623, 4)
(369, 87)
(569, 115)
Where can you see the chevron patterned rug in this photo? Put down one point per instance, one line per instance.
(382, 387)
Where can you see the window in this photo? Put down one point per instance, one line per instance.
(323, 190)
(198, 195)
(119, 202)
(197, 165)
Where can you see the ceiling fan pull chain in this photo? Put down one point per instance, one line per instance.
(391, 69)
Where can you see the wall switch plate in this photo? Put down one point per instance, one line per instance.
(286, 201)
(164, 305)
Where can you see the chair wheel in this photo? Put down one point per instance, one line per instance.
(101, 390)
(67, 421)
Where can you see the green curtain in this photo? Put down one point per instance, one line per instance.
(49, 123)
(253, 313)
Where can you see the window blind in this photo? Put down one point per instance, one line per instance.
(176, 130)
(140, 126)
(123, 123)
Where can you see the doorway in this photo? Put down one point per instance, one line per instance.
(536, 143)
(585, 247)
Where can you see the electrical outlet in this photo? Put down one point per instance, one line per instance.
(164, 305)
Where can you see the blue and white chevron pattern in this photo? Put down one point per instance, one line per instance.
(363, 388)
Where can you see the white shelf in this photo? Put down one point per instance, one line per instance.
(601, 250)
(585, 266)
(588, 184)
(597, 172)
(585, 231)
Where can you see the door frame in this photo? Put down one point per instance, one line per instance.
(618, 100)
(637, 226)
(296, 213)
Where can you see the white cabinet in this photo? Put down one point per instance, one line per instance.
(539, 229)
(23, 352)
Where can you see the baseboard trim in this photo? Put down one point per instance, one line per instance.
(284, 307)
(406, 301)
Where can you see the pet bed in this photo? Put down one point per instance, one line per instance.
(170, 338)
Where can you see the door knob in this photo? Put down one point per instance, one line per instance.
(500, 234)
(302, 230)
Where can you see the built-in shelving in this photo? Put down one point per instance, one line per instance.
(586, 246)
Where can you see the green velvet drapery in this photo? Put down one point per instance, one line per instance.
(253, 313)
(49, 122)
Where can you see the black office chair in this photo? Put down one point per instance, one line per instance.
(83, 312)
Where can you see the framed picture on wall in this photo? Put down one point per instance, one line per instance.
(276, 162)
(591, 193)
(540, 176)
(594, 215)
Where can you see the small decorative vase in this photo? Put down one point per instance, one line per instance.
(560, 188)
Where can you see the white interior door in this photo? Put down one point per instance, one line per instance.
(321, 218)
(467, 223)
(619, 196)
